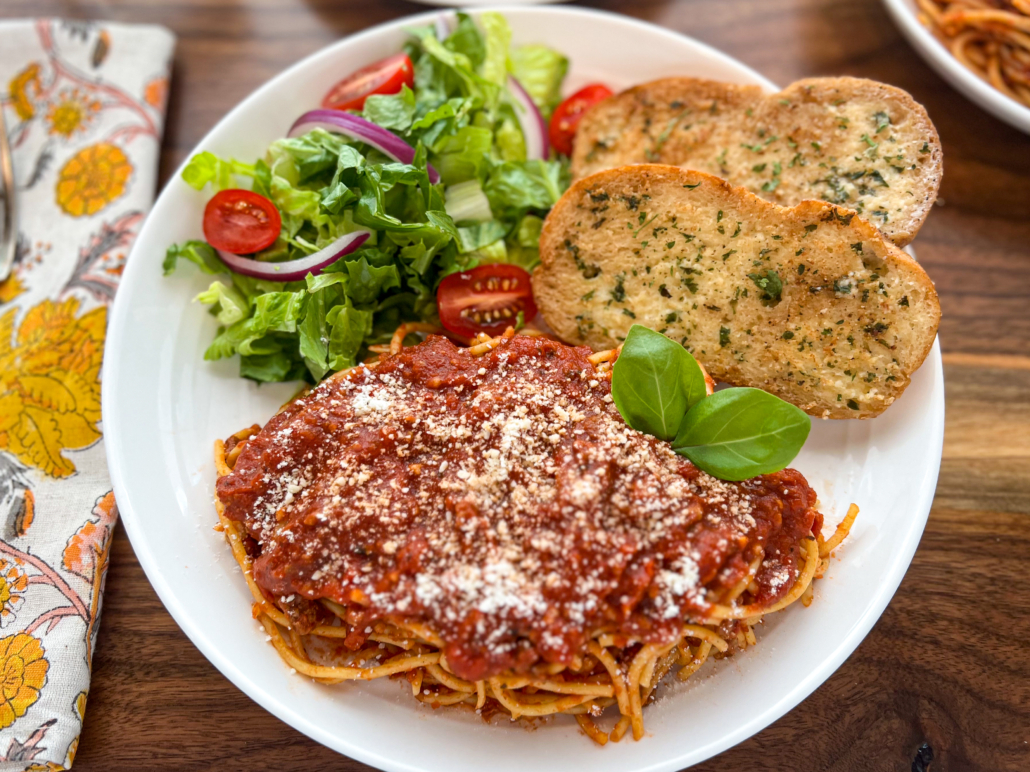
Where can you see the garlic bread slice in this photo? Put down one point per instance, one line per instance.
(848, 141)
(810, 303)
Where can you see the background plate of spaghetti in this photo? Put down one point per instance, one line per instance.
(981, 47)
(164, 406)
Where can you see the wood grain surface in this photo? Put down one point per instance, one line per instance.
(948, 663)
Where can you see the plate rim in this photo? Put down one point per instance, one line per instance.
(963, 80)
(886, 587)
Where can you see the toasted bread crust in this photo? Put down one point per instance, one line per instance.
(810, 302)
(848, 141)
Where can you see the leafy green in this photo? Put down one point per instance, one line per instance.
(205, 168)
(350, 326)
(368, 282)
(516, 188)
(736, 434)
(497, 40)
(523, 245)
(228, 303)
(466, 202)
(461, 119)
(279, 366)
(655, 381)
(540, 70)
(393, 111)
(480, 235)
(313, 344)
(200, 253)
(463, 155)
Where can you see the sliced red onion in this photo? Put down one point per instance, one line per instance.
(358, 128)
(442, 27)
(295, 270)
(534, 127)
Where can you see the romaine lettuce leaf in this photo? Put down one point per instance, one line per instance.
(228, 303)
(200, 253)
(394, 111)
(463, 155)
(206, 168)
(497, 39)
(541, 71)
(515, 188)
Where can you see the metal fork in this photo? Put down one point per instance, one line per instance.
(9, 233)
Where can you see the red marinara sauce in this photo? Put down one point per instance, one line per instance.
(501, 501)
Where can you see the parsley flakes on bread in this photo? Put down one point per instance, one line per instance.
(848, 141)
(810, 303)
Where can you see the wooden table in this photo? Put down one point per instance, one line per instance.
(948, 663)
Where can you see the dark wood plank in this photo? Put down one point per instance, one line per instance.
(948, 663)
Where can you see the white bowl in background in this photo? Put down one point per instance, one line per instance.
(937, 55)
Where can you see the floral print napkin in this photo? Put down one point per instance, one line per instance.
(84, 106)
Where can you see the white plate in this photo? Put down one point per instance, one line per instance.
(936, 54)
(164, 406)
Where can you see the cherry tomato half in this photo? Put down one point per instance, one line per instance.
(386, 76)
(486, 299)
(241, 222)
(566, 116)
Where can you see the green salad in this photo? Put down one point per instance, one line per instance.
(460, 117)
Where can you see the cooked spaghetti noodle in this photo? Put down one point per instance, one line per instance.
(331, 642)
(989, 37)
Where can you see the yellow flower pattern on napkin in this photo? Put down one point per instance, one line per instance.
(72, 113)
(92, 179)
(22, 675)
(24, 89)
(49, 383)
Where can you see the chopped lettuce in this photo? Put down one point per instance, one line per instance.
(541, 71)
(497, 42)
(205, 168)
(200, 253)
(461, 119)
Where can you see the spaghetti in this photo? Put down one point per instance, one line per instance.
(989, 37)
(368, 627)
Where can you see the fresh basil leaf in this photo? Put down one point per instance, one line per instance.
(737, 434)
(655, 381)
